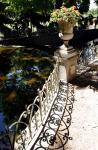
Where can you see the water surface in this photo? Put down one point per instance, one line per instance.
(22, 72)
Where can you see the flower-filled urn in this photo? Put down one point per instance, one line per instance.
(66, 19)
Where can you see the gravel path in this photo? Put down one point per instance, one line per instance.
(84, 127)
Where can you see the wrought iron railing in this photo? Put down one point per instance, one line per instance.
(20, 133)
(44, 124)
(55, 132)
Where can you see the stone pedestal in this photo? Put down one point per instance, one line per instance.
(68, 55)
(71, 65)
(68, 63)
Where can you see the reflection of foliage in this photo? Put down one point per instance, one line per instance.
(16, 59)
(28, 72)
(1, 102)
(4, 63)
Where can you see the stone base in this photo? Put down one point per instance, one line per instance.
(66, 37)
(71, 65)
(68, 60)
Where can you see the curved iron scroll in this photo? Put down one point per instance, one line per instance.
(55, 133)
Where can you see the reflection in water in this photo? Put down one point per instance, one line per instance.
(21, 74)
(2, 128)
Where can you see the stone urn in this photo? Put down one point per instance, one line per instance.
(68, 55)
(66, 28)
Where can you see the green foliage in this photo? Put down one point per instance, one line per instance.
(17, 6)
(69, 3)
(42, 6)
(93, 12)
(84, 6)
(2, 7)
(96, 1)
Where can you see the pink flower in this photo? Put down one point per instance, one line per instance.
(74, 7)
(64, 8)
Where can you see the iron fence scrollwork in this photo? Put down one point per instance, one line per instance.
(51, 110)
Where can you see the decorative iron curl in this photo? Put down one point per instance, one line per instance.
(55, 133)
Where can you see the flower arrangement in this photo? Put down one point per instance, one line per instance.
(65, 14)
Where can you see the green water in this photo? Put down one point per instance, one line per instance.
(22, 72)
